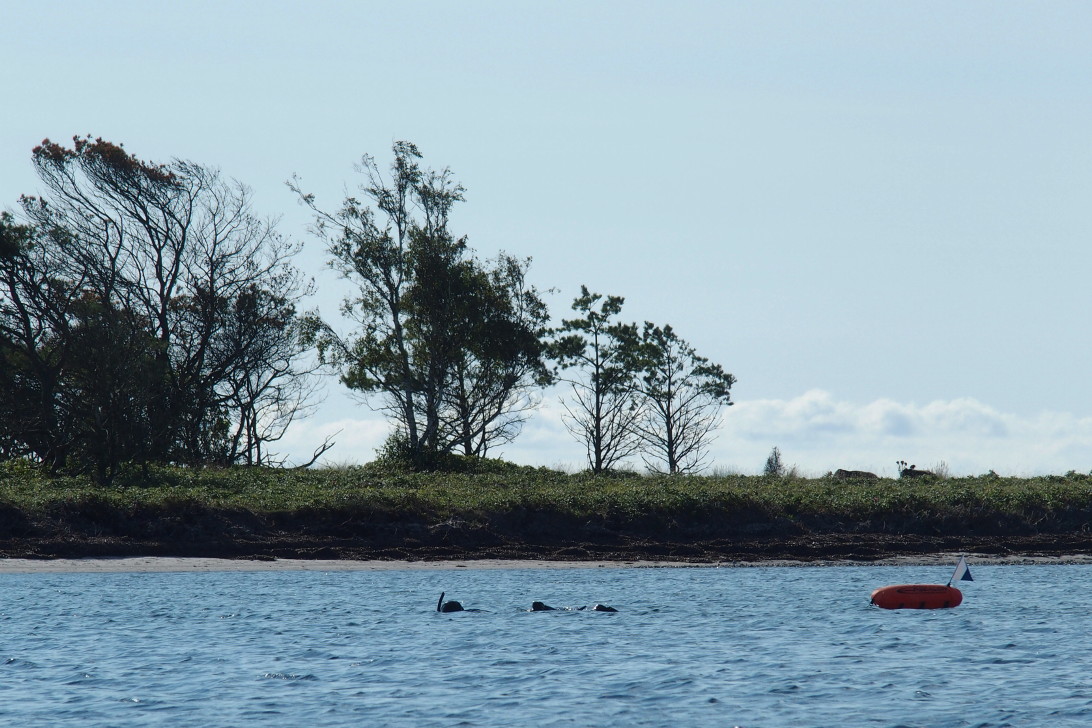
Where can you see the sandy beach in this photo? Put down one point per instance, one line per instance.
(160, 564)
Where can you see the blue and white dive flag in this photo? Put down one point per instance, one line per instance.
(961, 573)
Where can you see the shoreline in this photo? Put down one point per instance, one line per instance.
(175, 564)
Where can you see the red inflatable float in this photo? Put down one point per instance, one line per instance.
(917, 596)
(924, 596)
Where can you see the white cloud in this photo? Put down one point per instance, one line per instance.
(815, 431)
(819, 432)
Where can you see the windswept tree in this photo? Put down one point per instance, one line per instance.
(155, 259)
(37, 312)
(600, 359)
(269, 386)
(110, 388)
(496, 382)
(683, 394)
(450, 346)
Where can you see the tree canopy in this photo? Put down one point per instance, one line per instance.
(634, 391)
(448, 345)
(682, 394)
(600, 358)
(149, 315)
(144, 311)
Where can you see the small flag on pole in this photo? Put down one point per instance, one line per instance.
(961, 573)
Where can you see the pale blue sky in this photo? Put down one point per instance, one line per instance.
(876, 215)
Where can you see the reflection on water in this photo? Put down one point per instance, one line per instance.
(688, 647)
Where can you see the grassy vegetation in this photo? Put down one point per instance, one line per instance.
(495, 491)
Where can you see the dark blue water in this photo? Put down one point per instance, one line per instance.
(689, 647)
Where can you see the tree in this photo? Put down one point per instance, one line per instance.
(75, 388)
(268, 384)
(496, 383)
(450, 346)
(148, 259)
(683, 394)
(601, 358)
(108, 389)
(34, 316)
(774, 467)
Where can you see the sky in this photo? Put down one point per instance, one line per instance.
(875, 215)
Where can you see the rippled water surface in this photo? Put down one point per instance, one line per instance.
(689, 647)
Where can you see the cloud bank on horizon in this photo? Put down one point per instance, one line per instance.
(815, 431)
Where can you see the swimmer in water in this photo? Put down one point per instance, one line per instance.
(452, 606)
(540, 607)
